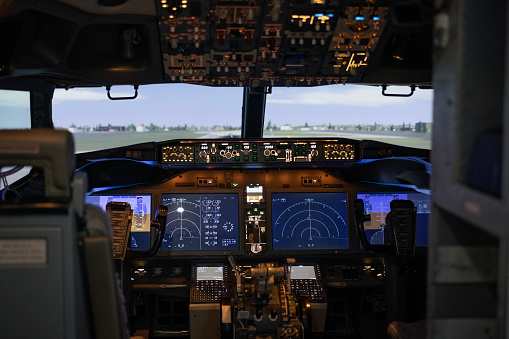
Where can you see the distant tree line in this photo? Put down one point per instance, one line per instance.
(420, 127)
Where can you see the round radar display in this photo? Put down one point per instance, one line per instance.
(309, 221)
(201, 222)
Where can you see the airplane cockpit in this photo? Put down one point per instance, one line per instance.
(247, 234)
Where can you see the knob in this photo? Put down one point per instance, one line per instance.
(273, 315)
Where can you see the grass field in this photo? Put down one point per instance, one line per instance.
(103, 140)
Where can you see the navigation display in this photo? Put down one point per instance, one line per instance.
(141, 206)
(309, 221)
(377, 204)
(208, 222)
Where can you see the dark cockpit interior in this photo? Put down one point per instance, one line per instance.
(247, 236)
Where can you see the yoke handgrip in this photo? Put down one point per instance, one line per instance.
(403, 219)
(360, 218)
(160, 224)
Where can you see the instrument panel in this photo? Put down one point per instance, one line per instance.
(263, 212)
(254, 248)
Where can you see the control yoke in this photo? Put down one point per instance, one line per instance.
(159, 223)
(401, 223)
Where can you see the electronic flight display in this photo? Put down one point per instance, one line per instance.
(141, 205)
(201, 222)
(377, 204)
(309, 221)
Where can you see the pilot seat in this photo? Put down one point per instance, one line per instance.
(58, 278)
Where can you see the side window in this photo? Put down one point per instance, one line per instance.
(14, 109)
(14, 114)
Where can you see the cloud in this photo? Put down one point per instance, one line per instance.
(87, 94)
(355, 96)
(14, 99)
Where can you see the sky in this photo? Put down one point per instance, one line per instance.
(180, 104)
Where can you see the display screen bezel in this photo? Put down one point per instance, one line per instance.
(201, 277)
(302, 272)
(420, 232)
(215, 252)
(138, 235)
(298, 251)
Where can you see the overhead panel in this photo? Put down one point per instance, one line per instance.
(269, 43)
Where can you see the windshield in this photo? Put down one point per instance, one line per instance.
(163, 112)
(351, 111)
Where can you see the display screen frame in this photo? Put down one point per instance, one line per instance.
(422, 232)
(144, 236)
(343, 211)
(205, 271)
(204, 251)
(302, 272)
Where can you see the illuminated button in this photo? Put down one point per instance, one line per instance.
(303, 147)
(267, 158)
(255, 146)
(297, 153)
(213, 159)
(237, 146)
(249, 212)
(255, 209)
(262, 212)
(297, 147)
(219, 159)
(273, 158)
(246, 158)
(237, 158)
(255, 152)
(303, 153)
(255, 158)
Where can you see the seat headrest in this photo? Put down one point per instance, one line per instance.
(52, 150)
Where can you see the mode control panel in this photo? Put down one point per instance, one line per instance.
(252, 152)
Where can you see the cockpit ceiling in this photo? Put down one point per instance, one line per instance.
(217, 43)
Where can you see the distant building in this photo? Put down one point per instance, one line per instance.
(141, 128)
(110, 128)
(286, 128)
(423, 127)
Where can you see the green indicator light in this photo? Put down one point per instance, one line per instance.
(303, 146)
(255, 209)
(262, 212)
(304, 153)
(235, 184)
(255, 158)
(255, 152)
(237, 146)
(255, 146)
(297, 153)
(237, 158)
(267, 158)
(249, 212)
(296, 146)
(219, 159)
(213, 159)
(246, 158)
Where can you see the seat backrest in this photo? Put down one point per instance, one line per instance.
(48, 256)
